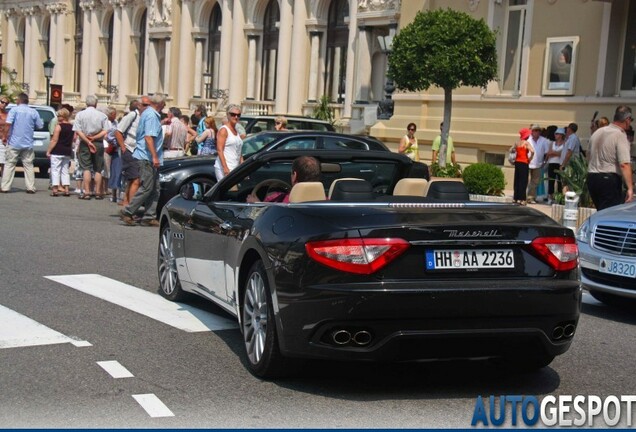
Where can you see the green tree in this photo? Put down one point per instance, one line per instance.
(447, 49)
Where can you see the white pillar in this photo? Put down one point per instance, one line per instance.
(61, 59)
(186, 53)
(251, 66)
(153, 66)
(284, 56)
(197, 91)
(86, 48)
(362, 79)
(314, 62)
(31, 68)
(167, 60)
(237, 56)
(335, 85)
(226, 46)
(298, 68)
(350, 72)
(125, 60)
(116, 62)
(10, 45)
(96, 48)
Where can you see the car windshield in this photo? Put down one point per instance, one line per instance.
(254, 143)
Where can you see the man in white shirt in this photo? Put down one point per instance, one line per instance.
(541, 146)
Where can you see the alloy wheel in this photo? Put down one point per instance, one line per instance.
(255, 317)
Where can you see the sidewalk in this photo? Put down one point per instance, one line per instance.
(542, 206)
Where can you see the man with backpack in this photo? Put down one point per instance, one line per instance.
(126, 136)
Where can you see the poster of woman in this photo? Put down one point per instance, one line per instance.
(560, 61)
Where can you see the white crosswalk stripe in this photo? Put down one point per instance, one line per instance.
(18, 330)
(178, 315)
(153, 405)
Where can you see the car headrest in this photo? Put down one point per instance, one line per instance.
(333, 184)
(448, 190)
(352, 190)
(411, 186)
(307, 191)
(419, 170)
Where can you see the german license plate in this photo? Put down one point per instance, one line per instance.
(443, 259)
(619, 268)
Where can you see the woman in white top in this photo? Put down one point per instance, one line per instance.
(228, 144)
(555, 159)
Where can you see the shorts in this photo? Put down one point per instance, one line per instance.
(91, 161)
(129, 166)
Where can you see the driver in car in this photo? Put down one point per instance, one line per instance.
(304, 169)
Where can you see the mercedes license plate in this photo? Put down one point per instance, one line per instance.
(619, 268)
(443, 259)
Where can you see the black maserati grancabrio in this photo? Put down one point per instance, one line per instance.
(369, 264)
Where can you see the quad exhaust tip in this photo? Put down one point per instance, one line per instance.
(563, 332)
(345, 337)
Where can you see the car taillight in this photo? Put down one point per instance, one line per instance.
(361, 256)
(561, 253)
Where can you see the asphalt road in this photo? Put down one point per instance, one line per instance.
(199, 377)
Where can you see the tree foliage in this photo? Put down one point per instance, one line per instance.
(446, 49)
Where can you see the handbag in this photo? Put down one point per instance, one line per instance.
(512, 155)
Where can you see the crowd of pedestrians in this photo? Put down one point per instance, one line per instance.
(546, 153)
(119, 159)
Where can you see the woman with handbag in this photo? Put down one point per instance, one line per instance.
(524, 151)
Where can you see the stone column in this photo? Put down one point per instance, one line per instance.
(284, 56)
(298, 67)
(115, 63)
(252, 42)
(197, 91)
(32, 70)
(314, 62)
(186, 54)
(62, 61)
(237, 56)
(85, 88)
(335, 85)
(125, 59)
(226, 45)
(54, 39)
(167, 87)
(153, 66)
(350, 72)
(10, 45)
(363, 71)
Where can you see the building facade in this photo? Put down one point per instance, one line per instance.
(560, 60)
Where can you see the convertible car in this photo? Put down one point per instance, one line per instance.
(371, 264)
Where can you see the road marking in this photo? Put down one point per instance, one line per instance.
(153, 405)
(18, 330)
(178, 315)
(115, 369)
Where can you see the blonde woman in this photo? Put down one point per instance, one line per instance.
(408, 143)
(60, 152)
(228, 144)
(280, 123)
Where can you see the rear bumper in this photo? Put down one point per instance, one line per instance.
(593, 280)
(398, 323)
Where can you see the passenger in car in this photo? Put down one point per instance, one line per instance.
(304, 169)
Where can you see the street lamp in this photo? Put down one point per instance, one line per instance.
(385, 107)
(207, 82)
(109, 88)
(48, 73)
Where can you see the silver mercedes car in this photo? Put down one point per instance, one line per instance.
(607, 253)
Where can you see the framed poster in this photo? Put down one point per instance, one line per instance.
(560, 65)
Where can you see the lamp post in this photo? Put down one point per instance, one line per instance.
(109, 88)
(207, 83)
(385, 107)
(48, 73)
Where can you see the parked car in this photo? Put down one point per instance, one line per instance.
(41, 137)
(176, 173)
(368, 275)
(607, 244)
(255, 124)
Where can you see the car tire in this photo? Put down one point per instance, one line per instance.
(169, 284)
(260, 338)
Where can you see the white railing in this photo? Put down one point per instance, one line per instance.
(254, 107)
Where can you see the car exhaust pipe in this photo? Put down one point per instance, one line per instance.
(568, 330)
(557, 333)
(362, 338)
(341, 337)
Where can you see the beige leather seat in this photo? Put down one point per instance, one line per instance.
(307, 191)
(411, 187)
(333, 184)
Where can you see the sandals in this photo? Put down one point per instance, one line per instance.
(54, 194)
(84, 197)
(66, 194)
(99, 197)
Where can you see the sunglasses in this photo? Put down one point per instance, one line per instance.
(4, 102)
(411, 130)
(278, 123)
(237, 115)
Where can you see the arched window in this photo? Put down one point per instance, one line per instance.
(337, 41)
(77, 70)
(142, 52)
(214, 48)
(270, 51)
